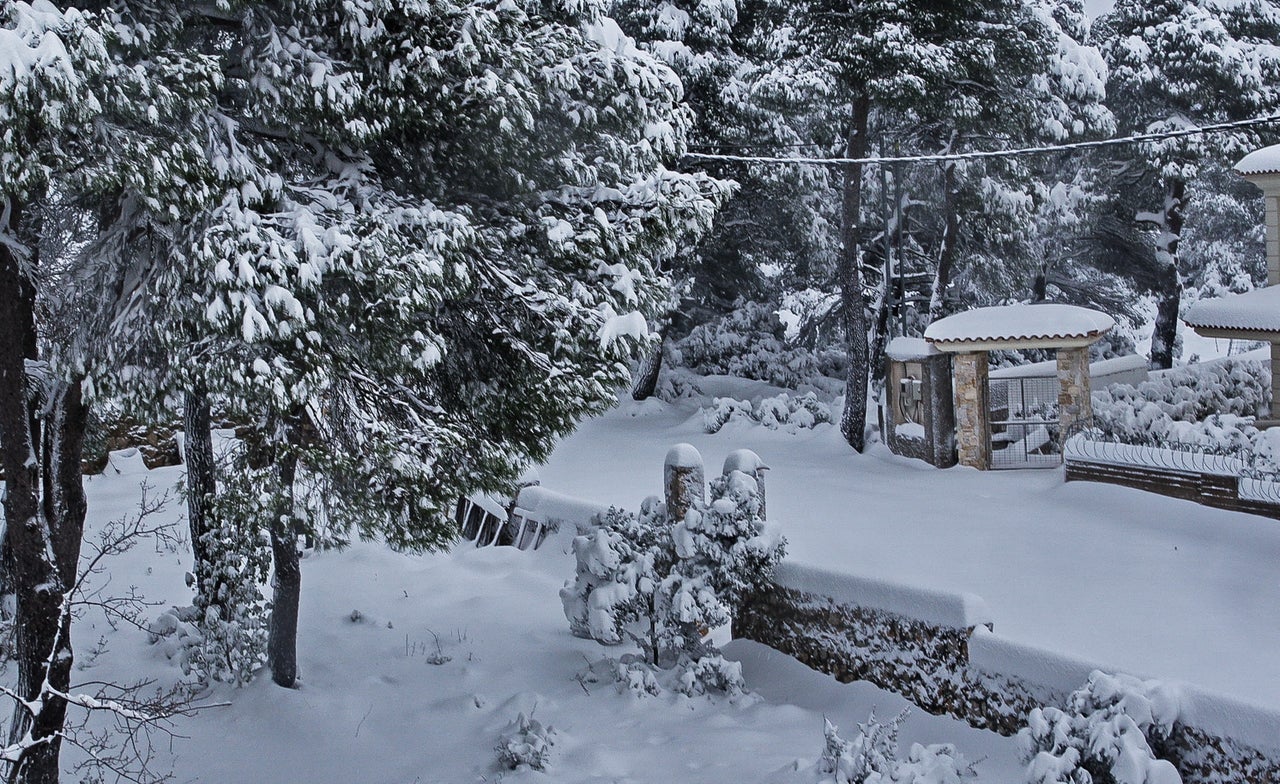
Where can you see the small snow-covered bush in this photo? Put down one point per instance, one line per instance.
(676, 385)
(1103, 736)
(872, 758)
(750, 343)
(631, 674)
(783, 411)
(665, 583)
(527, 743)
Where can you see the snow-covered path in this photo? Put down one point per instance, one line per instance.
(1152, 585)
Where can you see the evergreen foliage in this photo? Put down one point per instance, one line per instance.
(664, 583)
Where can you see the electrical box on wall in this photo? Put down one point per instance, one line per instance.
(917, 415)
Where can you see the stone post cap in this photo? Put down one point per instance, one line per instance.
(743, 460)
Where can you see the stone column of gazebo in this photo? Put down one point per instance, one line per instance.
(969, 336)
(1254, 315)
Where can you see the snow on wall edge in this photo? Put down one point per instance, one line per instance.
(1216, 714)
(954, 610)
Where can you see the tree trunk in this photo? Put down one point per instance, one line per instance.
(65, 433)
(201, 487)
(947, 250)
(1169, 291)
(26, 305)
(881, 332)
(647, 377)
(853, 421)
(36, 582)
(282, 639)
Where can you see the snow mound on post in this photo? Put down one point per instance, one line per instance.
(952, 610)
(683, 456)
(1041, 321)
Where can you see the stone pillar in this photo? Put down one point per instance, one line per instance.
(1074, 401)
(684, 481)
(1272, 200)
(1275, 383)
(973, 443)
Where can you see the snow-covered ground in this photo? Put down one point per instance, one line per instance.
(372, 708)
(1147, 584)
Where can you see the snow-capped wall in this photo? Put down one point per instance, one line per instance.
(953, 610)
(936, 649)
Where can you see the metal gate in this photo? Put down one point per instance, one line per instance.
(1023, 427)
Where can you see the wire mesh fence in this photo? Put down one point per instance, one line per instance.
(1023, 430)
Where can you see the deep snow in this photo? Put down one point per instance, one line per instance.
(1146, 584)
(372, 708)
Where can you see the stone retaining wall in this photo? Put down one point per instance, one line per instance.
(930, 664)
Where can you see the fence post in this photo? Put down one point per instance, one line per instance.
(684, 481)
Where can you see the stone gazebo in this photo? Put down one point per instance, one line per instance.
(1254, 315)
(969, 336)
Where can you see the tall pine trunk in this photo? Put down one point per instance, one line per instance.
(282, 638)
(43, 529)
(947, 249)
(201, 487)
(1169, 289)
(650, 368)
(853, 421)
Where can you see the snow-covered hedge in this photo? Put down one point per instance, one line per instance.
(783, 411)
(750, 343)
(1175, 406)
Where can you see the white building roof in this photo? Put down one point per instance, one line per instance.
(1264, 161)
(1252, 312)
(1040, 325)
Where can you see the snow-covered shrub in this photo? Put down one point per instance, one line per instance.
(1103, 736)
(527, 743)
(783, 411)
(676, 385)
(665, 583)
(750, 343)
(1171, 406)
(230, 612)
(711, 672)
(616, 574)
(724, 410)
(872, 758)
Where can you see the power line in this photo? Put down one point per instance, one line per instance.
(984, 154)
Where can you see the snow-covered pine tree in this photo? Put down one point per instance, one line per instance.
(94, 164)
(436, 247)
(718, 50)
(674, 579)
(1175, 64)
(927, 64)
(1038, 82)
